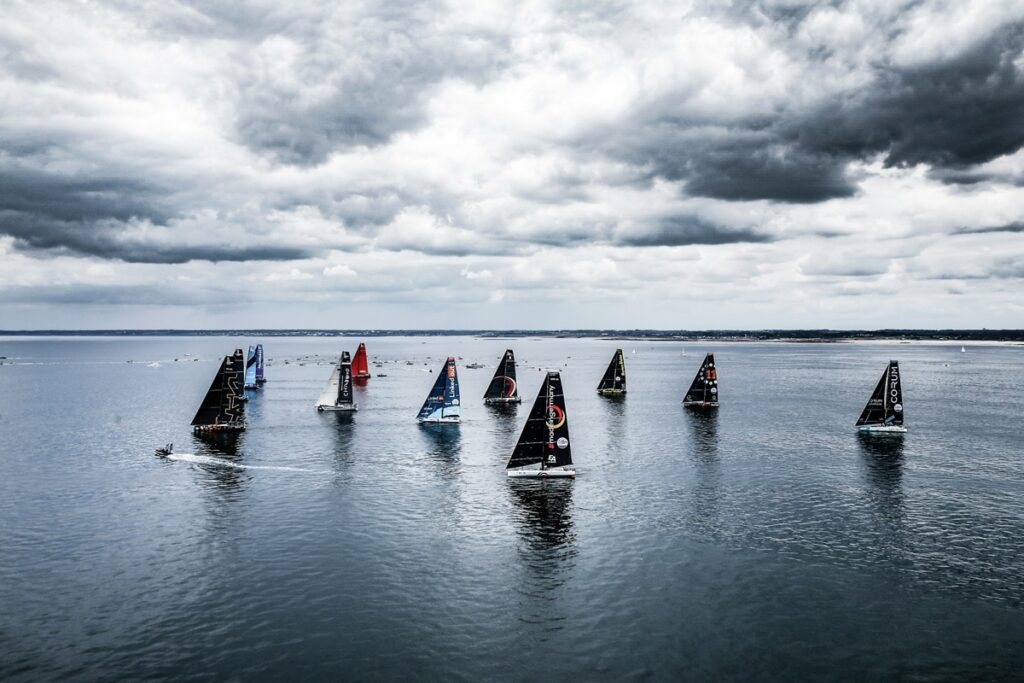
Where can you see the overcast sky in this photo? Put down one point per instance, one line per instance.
(543, 165)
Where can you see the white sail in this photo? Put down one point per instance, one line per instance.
(330, 394)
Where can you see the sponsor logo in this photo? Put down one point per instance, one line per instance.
(562, 442)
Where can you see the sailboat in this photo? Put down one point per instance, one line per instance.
(337, 395)
(250, 368)
(884, 410)
(543, 449)
(222, 408)
(360, 368)
(442, 404)
(503, 389)
(260, 378)
(614, 381)
(963, 349)
(703, 392)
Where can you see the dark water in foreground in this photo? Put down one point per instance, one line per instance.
(767, 543)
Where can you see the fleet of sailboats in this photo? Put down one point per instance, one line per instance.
(884, 410)
(337, 395)
(543, 448)
(503, 389)
(443, 405)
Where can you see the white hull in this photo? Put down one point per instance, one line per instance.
(451, 419)
(611, 392)
(543, 474)
(882, 429)
(337, 409)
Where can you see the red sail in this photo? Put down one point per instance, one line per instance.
(360, 368)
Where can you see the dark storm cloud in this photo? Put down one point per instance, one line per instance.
(951, 114)
(684, 230)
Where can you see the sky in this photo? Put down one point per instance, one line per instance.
(682, 165)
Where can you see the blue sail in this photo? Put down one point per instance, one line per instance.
(250, 368)
(443, 402)
(260, 379)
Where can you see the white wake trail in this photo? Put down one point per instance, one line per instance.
(218, 462)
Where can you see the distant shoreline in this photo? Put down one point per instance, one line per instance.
(801, 336)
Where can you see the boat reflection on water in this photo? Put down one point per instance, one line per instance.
(543, 514)
(342, 425)
(615, 421)
(704, 430)
(224, 446)
(444, 446)
(883, 459)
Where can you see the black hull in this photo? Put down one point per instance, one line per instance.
(206, 429)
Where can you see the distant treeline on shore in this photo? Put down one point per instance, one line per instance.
(654, 335)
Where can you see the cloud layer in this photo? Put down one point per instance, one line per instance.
(535, 165)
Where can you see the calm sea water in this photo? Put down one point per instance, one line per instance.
(768, 542)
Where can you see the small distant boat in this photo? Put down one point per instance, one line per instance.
(474, 366)
(703, 391)
(884, 410)
(381, 374)
(337, 395)
(250, 368)
(963, 350)
(503, 388)
(260, 377)
(223, 406)
(164, 451)
(543, 449)
(614, 381)
(360, 368)
(442, 405)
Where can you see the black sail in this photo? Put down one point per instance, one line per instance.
(222, 406)
(885, 407)
(704, 389)
(545, 437)
(345, 380)
(503, 384)
(614, 380)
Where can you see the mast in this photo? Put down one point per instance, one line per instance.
(222, 407)
(260, 378)
(360, 366)
(703, 391)
(443, 403)
(502, 388)
(885, 407)
(344, 394)
(613, 382)
(545, 436)
(250, 368)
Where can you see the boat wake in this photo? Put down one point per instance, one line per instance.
(219, 462)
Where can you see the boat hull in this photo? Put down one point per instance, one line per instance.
(337, 409)
(700, 404)
(502, 401)
(219, 428)
(549, 473)
(882, 429)
(611, 392)
(448, 420)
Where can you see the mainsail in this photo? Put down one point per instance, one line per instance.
(250, 368)
(338, 392)
(442, 404)
(222, 407)
(502, 388)
(545, 437)
(260, 379)
(360, 366)
(885, 407)
(614, 381)
(703, 392)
